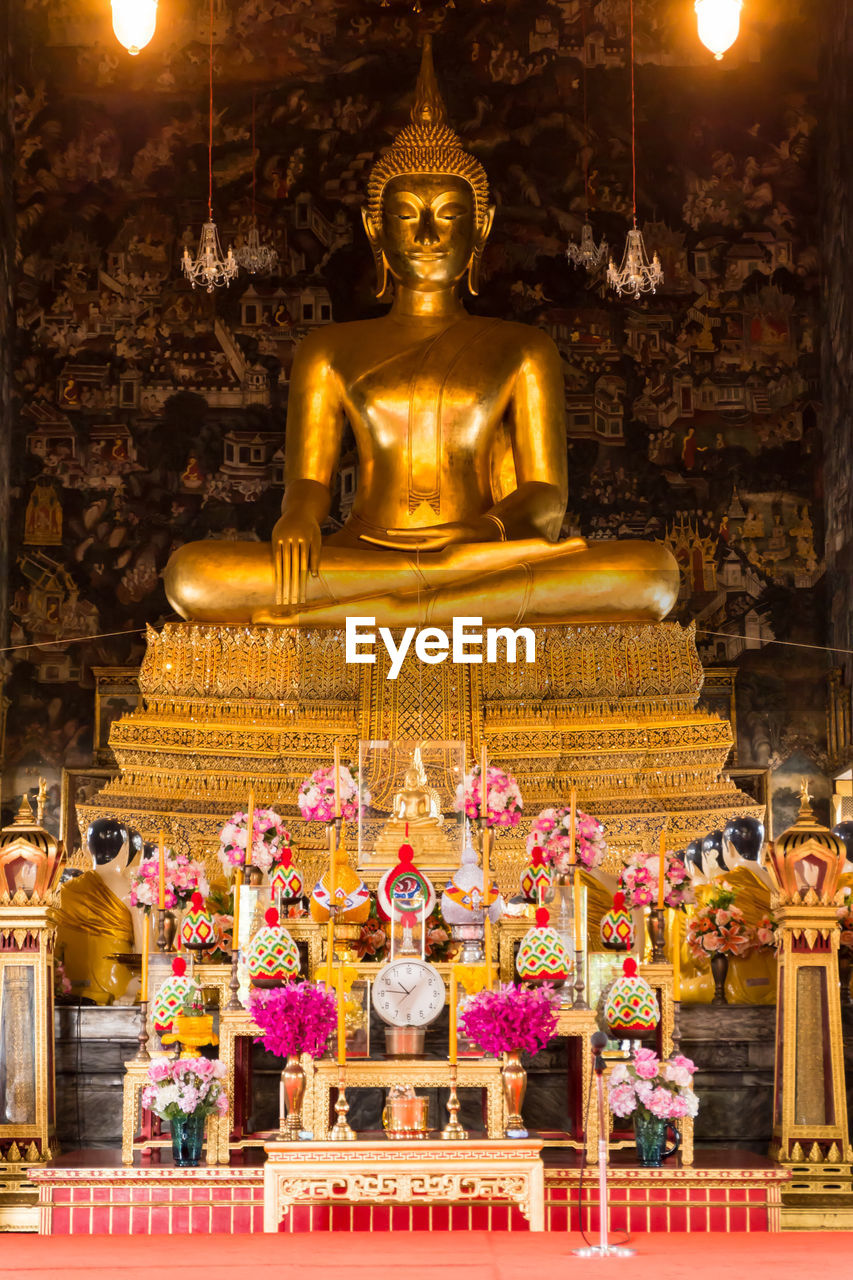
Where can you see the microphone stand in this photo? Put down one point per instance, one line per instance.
(602, 1249)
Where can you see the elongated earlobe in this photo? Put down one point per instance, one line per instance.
(379, 259)
(474, 273)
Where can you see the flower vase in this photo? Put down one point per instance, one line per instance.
(719, 969)
(187, 1139)
(291, 1097)
(845, 963)
(650, 1137)
(514, 1078)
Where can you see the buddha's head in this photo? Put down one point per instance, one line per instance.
(428, 214)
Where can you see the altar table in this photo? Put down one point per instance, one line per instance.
(376, 1172)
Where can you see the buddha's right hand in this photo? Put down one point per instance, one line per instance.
(296, 543)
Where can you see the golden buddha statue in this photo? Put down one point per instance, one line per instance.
(459, 424)
(416, 819)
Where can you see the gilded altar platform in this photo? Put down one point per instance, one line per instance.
(610, 708)
(90, 1193)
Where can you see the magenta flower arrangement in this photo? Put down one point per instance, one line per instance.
(550, 831)
(185, 1087)
(316, 798)
(652, 1087)
(639, 881)
(511, 1018)
(270, 838)
(295, 1019)
(183, 878)
(503, 797)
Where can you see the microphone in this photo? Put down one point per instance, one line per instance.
(598, 1042)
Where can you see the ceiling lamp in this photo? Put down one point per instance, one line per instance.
(134, 23)
(256, 258)
(719, 23)
(587, 254)
(209, 269)
(636, 275)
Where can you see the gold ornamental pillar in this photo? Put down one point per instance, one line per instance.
(810, 1133)
(30, 863)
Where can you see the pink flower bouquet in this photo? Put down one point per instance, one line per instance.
(652, 1087)
(550, 832)
(183, 878)
(764, 934)
(270, 838)
(503, 798)
(718, 928)
(639, 881)
(295, 1019)
(316, 798)
(511, 1018)
(185, 1087)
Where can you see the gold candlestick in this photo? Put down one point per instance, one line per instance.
(341, 1130)
(453, 1131)
(235, 1003)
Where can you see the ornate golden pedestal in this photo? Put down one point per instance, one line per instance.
(610, 708)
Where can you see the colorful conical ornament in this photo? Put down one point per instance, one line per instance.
(285, 880)
(402, 882)
(542, 956)
(198, 928)
(536, 877)
(352, 896)
(617, 926)
(172, 996)
(630, 1005)
(272, 956)
(462, 901)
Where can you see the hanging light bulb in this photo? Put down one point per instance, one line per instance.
(636, 275)
(134, 23)
(256, 258)
(587, 254)
(719, 24)
(209, 269)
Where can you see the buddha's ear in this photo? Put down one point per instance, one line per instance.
(479, 245)
(379, 259)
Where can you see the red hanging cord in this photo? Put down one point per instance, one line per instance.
(210, 129)
(254, 161)
(633, 122)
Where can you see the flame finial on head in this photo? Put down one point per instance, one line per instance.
(427, 146)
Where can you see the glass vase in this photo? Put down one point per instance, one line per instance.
(187, 1140)
(650, 1137)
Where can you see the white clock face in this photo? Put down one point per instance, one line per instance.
(408, 993)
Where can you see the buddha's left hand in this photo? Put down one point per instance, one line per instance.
(438, 536)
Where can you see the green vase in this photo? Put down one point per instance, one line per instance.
(650, 1137)
(187, 1140)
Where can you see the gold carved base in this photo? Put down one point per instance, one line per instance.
(610, 708)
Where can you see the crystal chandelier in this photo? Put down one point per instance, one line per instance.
(134, 23)
(587, 254)
(209, 269)
(636, 275)
(256, 258)
(718, 23)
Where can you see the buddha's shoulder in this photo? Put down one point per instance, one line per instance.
(332, 341)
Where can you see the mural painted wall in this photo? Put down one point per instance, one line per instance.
(149, 414)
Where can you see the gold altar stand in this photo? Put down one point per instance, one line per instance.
(421, 1073)
(611, 709)
(374, 1172)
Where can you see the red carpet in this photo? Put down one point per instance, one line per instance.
(421, 1256)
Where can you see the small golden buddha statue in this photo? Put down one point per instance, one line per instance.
(417, 803)
(459, 423)
(416, 819)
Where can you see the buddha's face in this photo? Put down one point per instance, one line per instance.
(428, 230)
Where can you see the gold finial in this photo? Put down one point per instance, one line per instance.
(429, 106)
(805, 799)
(41, 800)
(25, 816)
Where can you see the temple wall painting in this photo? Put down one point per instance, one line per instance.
(147, 414)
